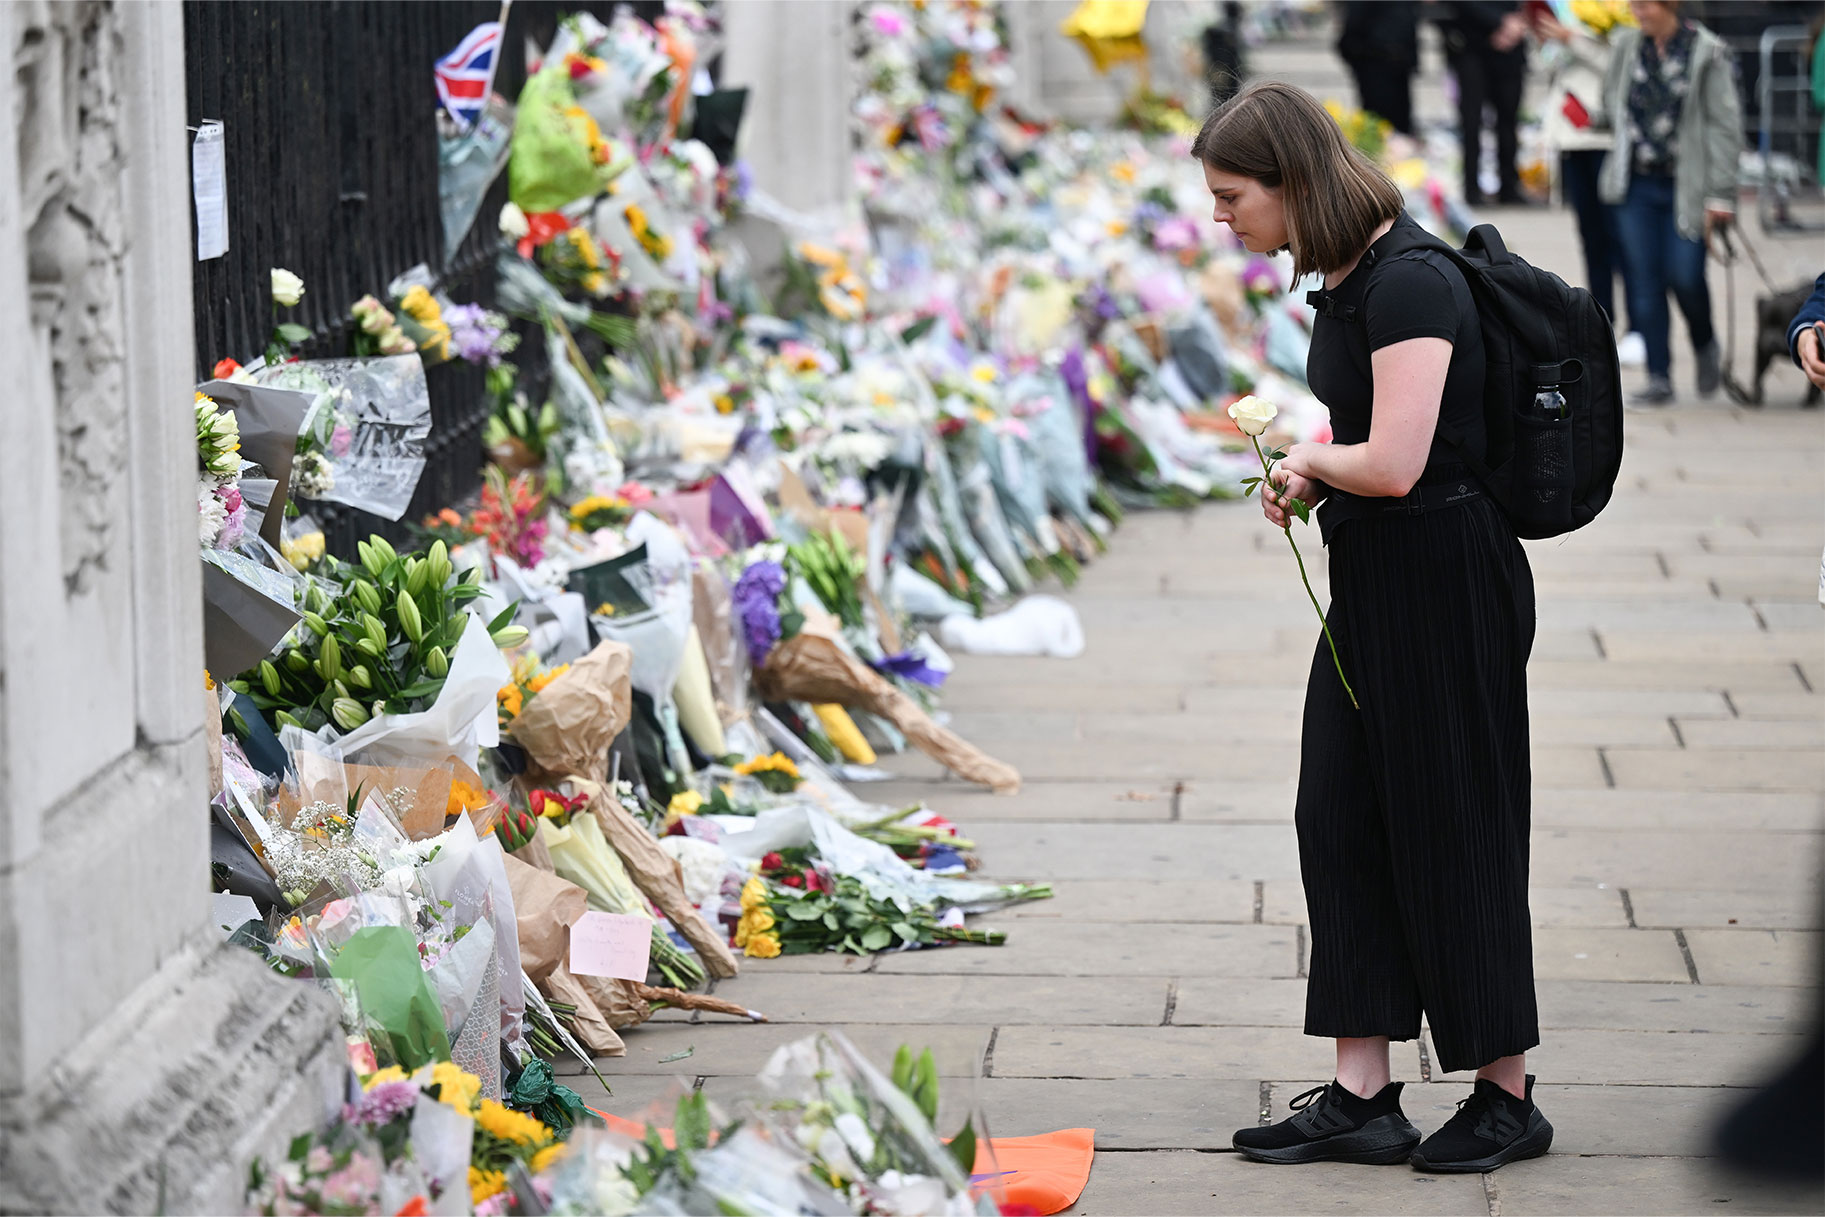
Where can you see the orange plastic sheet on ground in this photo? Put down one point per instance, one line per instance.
(1043, 1174)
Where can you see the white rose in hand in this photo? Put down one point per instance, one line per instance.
(1253, 414)
(287, 288)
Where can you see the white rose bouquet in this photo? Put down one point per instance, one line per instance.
(1252, 415)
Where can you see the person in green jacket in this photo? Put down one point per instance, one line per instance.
(1670, 102)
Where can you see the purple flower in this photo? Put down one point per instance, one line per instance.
(234, 525)
(909, 666)
(475, 333)
(744, 181)
(756, 596)
(383, 1104)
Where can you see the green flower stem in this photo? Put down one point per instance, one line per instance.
(1287, 528)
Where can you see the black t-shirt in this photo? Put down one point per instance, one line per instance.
(1419, 294)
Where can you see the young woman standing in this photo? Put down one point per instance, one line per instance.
(1412, 811)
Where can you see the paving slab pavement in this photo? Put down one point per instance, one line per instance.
(1678, 700)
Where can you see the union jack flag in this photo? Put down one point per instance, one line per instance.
(465, 75)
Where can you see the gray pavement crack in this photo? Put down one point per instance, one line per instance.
(1666, 572)
(1178, 799)
(1299, 943)
(1716, 592)
(1801, 673)
(1260, 900)
(1266, 1114)
(988, 1054)
(1425, 1059)
(1678, 738)
(1609, 778)
(1731, 703)
(1628, 907)
(1761, 622)
(1172, 1002)
(1685, 949)
(1491, 1196)
(1597, 640)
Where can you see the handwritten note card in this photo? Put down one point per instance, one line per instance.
(611, 944)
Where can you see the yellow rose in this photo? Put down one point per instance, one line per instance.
(763, 946)
(1252, 414)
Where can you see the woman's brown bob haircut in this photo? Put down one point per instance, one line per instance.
(1335, 197)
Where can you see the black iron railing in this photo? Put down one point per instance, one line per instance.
(331, 149)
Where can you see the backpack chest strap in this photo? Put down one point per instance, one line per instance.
(1327, 306)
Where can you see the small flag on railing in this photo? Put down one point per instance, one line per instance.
(465, 75)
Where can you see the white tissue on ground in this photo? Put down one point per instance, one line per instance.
(1038, 625)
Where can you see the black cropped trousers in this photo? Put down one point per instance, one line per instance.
(1413, 811)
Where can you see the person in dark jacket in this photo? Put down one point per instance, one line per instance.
(1379, 41)
(1806, 338)
(1485, 43)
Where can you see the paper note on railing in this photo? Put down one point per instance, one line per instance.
(611, 944)
(209, 187)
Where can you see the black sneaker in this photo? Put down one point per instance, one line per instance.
(1332, 1125)
(1491, 1128)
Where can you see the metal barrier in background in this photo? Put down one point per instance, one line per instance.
(1786, 125)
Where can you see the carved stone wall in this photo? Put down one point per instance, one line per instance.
(144, 1063)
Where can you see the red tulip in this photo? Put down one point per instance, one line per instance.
(224, 368)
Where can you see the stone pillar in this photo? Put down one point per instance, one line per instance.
(144, 1061)
(793, 57)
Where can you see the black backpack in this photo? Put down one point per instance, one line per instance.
(1552, 399)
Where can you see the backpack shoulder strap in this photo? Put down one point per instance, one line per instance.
(1485, 240)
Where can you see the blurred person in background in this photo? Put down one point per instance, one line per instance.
(1379, 41)
(1574, 35)
(1671, 107)
(1485, 41)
